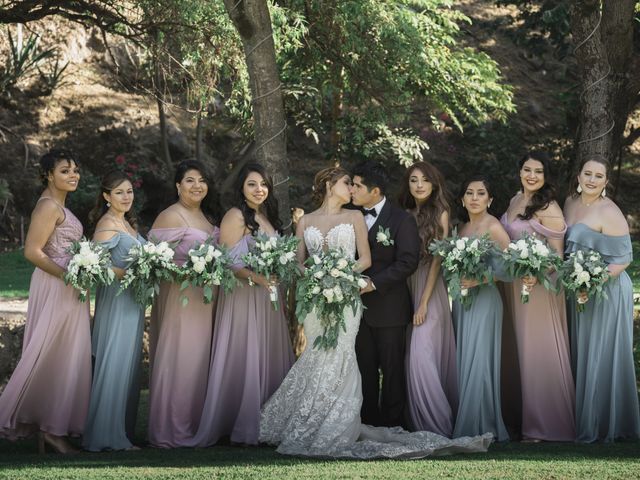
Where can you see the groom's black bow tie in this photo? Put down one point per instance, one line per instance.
(370, 211)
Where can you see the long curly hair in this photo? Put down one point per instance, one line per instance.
(270, 205)
(429, 213)
(547, 193)
(110, 181)
(331, 175)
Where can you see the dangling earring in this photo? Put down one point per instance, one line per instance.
(489, 206)
(462, 203)
(604, 193)
(579, 188)
(108, 204)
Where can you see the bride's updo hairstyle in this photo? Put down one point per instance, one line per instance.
(327, 175)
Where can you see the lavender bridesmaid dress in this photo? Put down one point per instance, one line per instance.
(548, 391)
(180, 347)
(251, 355)
(602, 346)
(432, 380)
(49, 389)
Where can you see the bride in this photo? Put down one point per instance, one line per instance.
(316, 410)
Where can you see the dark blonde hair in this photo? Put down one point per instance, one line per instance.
(331, 175)
(429, 213)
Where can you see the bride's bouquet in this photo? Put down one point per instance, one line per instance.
(90, 265)
(584, 272)
(464, 257)
(531, 257)
(329, 284)
(151, 264)
(275, 258)
(207, 266)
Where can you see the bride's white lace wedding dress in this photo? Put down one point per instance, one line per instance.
(316, 410)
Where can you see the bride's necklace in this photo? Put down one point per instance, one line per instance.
(588, 204)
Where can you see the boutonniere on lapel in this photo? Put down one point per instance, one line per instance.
(384, 236)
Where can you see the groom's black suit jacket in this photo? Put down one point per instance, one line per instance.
(390, 305)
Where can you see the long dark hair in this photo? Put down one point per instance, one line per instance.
(429, 213)
(573, 185)
(270, 204)
(208, 205)
(478, 177)
(547, 193)
(110, 181)
(52, 158)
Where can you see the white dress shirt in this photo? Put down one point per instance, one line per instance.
(370, 219)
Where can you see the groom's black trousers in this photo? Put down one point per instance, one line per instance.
(382, 348)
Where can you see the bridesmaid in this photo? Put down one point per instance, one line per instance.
(117, 328)
(479, 328)
(251, 352)
(602, 335)
(49, 389)
(432, 381)
(540, 326)
(180, 336)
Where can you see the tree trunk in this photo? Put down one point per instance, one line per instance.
(253, 22)
(603, 47)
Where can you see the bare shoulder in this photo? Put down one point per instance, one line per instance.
(552, 210)
(497, 232)
(48, 208)
(233, 218)
(355, 215)
(569, 204)
(168, 218)
(613, 220)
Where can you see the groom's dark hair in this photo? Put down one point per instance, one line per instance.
(373, 174)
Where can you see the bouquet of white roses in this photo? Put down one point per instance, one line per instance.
(151, 264)
(464, 257)
(584, 272)
(329, 285)
(207, 266)
(275, 258)
(90, 265)
(530, 257)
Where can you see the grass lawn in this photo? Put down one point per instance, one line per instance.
(512, 460)
(15, 274)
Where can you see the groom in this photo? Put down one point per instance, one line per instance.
(380, 344)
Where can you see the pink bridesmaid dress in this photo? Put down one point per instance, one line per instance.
(49, 389)
(179, 349)
(432, 378)
(251, 355)
(541, 331)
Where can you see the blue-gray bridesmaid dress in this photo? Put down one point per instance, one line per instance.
(478, 332)
(116, 345)
(602, 346)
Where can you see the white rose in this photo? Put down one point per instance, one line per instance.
(350, 278)
(381, 237)
(217, 253)
(460, 244)
(319, 274)
(337, 290)
(577, 267)
(273, 241)
(362, 282)
(597, 270)
(335, 273)
(315, 290)
(342, 263)
(283, 259)
(150, 248)
(541, 249)
(328, 294)
(593, 258)
(208, 257)
(583, 277)
(512, 246)
(198, 267)
(524, 253)
(474, 244)
(195, 259)
(521, 244)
